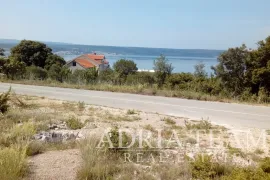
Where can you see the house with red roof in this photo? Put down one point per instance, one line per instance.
(87, 61)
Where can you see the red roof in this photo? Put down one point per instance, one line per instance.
(84, 60)
(95, 57)
(85, 63)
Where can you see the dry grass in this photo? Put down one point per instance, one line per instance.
(13, 163)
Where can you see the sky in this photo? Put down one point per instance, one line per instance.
(181, 24)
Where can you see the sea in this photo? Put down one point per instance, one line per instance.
(144, 62)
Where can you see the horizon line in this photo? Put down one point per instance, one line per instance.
(67, 43)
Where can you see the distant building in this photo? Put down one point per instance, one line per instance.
(88, 61)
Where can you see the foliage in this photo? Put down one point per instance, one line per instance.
(81, 106)
(106, 76)
(34, 148)
(131, 111)
(2, 52)
(125, 67)
(258, 67)
(200, 71)
(74, 123)
(231, 68)
(90, 75)
(204, 168)
(162, 69)
(31, 53)
(13, 163)
(4, 98)
(145, 78)
(54, 72)
(179, 80)
(265, 165)
(54, 59)
(13, 68)
(203, 124)
(34, 72)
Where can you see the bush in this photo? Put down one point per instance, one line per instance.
(131, 111)
(114, 136)
(163, 69)
(203, 124)
(179, 80)
(265, 165)
(74, 123)
(146, 78)
(54, 72)
(4, 98)
(106, 76)
(125, 67)
(13, 163)
(263, 96)
(204, 168)
(97, 164)
(22, 132)
(34, 72)
(34, 148)
(81, 106)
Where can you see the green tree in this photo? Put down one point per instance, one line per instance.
(31, 53)
(4, 98)
(107, 75)
(2, 63)
(54, 72)
(231, 68)
(163, 69)
(54, 59)
(2, 52)
(125, 67)
(258, 67)
(65, 73)
(90, 75)
(200, 70)
(13, 68)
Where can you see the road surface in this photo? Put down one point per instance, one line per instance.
(235, 115)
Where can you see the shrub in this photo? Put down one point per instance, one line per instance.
(114, 137)
(204, 168)
(265, 165)
(263, 96)
(97, 164)
(106, 76)
(179, 80)
(169, 121)
(13, 163)
(246, 174)
(81, 106)
(22, 132)
(145, 78)
(125, 67)
(74, 123)
(34, 72)
(34, 148)
(203, 124)
(163, 69)
(4, 98)
(131, 111)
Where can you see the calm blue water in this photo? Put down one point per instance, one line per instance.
(180, 64)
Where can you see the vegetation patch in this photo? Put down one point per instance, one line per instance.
(74, 123)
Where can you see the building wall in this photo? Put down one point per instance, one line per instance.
(73, 68)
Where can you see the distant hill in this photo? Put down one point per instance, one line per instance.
(81, 49)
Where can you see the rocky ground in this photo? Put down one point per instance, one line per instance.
(67, 123)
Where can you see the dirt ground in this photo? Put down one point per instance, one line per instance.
(63, 165)
(55, 165)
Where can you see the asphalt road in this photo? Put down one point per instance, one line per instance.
(235, 115)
